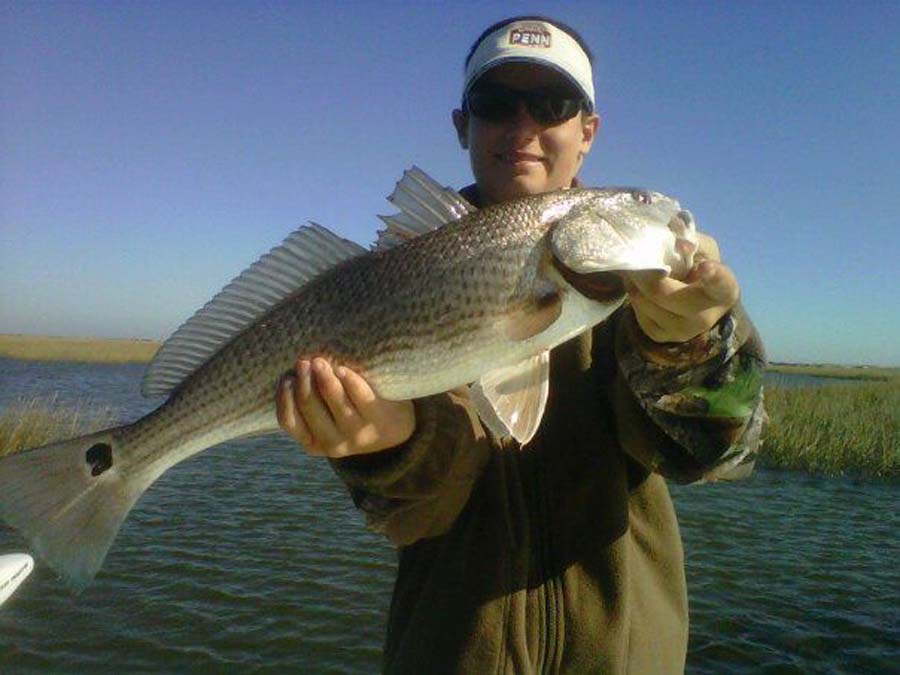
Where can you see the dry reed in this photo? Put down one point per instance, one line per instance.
(94, 350)
(30, 424)
(836, 429)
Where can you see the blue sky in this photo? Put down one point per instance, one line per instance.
(149, 151)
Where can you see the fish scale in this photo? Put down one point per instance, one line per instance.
(480, 299)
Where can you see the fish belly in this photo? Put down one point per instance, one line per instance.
(441, 367)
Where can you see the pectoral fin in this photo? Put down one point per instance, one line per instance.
(534, 316)
(511, 400)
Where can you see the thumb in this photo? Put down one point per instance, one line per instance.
(717, 281)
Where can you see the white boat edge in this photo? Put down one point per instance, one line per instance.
(14, 569)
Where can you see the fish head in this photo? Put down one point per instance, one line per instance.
(616, 230)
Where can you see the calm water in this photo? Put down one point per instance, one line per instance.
(251, 556)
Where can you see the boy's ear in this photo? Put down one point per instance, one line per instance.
(461, 122)
(589, 126)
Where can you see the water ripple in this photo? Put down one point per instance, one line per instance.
(792, 571)
(251, 556)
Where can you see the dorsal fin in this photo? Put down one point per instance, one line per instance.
(424, 205)
(306, 253)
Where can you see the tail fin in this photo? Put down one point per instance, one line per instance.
(69, 499)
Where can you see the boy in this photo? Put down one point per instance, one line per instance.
(563, 555)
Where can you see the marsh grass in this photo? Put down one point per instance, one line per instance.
(836, 429)
(93, 350)
(29, 424)
(843, 428)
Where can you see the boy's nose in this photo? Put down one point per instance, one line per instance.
(523, 118)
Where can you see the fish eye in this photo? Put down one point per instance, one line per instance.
(641, 196)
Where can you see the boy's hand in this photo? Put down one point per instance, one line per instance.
(669, 310)
(335, 413)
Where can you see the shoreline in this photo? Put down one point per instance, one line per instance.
(877, 373)
(142, 350)
(827, 430)
(80, 349)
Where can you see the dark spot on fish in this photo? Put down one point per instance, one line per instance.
(99, 456)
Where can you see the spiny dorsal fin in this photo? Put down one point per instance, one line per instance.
(306, 253)
(424, 205)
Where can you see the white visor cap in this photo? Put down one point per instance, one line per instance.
(536, 42)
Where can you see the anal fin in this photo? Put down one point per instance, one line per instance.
(511, 400)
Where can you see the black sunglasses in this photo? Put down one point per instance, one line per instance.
(547, 105)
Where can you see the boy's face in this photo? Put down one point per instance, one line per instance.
(520, 156)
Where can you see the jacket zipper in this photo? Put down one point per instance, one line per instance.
(543, 537)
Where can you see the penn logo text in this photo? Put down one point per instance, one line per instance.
(529, 37)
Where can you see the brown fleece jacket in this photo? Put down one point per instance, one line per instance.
(564, 556)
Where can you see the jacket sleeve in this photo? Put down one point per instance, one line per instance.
(703, 398)
(417, 489)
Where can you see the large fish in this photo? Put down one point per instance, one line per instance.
(449, 296)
